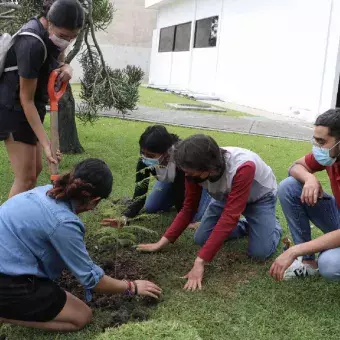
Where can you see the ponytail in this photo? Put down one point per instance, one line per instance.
(89, 178)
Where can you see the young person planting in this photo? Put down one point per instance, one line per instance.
(156, 158)
(41, 235)
(241, 183)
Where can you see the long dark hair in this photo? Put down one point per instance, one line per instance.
(199, 153)
(89, 179)
(157, 139)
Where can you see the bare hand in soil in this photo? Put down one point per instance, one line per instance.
(147, 288)
(195, 277)
(114, 222)
(149, 247)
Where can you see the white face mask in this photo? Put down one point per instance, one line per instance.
(60, 43)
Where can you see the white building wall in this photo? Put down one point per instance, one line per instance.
(128, 40)
(272, 54)
(171, 69)
(275, 55)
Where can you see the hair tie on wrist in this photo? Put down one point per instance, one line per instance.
(136, 288)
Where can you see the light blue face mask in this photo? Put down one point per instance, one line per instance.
(322, 155)
(150, 161)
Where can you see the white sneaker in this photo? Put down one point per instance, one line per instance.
(299, 269)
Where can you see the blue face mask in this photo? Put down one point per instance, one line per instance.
(322, 155)
(150, 161)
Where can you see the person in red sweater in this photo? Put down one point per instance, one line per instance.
(303, 200)
(241, 183)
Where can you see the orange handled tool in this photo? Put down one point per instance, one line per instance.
(54, 99)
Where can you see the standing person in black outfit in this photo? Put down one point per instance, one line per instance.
(23, 88)
(156, 159)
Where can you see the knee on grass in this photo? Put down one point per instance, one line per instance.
(151, 209)
(261, 254)
(200, 238)
(82, 320)
(329, 265)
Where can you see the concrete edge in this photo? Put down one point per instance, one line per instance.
(199, 127)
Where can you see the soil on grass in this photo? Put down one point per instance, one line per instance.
(121, 308)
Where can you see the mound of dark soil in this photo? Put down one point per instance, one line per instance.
(122, 309)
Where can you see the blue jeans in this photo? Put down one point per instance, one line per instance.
(260, 223)
(325, 215)
(162, 198)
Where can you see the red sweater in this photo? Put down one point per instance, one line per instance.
(236, 204)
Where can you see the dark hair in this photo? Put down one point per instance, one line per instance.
(330, 119)
(46, 7)
(88, 179)
(157, 139)
(200, 153)
(67, 14)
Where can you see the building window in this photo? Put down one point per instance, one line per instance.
(166, 39)
(182, 37)
(206, 32)
(175, 38)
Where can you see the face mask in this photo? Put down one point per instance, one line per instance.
(322, 155)
(60, 43)
(150, 161)
(195, 179)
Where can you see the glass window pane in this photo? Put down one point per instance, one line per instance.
(206, 32)
(166, 39)
(182, 37)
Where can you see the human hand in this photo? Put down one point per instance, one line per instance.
(151, 247)
(65, 74)
(312, 190)
(59, 156)
(119, 222)
(147, 288)
(48, 154)
(195, 276)
(280, 265)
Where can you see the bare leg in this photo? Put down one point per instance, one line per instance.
(74, 316)
(23, 158)
(38, 161)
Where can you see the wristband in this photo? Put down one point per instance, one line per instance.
(128, 291)
(136, 288)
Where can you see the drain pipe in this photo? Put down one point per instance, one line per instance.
(192, 41)
(325, 59)
(219, 38)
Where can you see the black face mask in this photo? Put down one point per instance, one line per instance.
(195, 179)
(215, 178)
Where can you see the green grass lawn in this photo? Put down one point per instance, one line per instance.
(238, 300)
(156, 98)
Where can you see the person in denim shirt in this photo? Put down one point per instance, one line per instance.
(40, 236)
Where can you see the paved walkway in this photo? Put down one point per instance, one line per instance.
(246, 125)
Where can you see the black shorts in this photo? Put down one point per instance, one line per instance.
(30, 298)
(18, 127)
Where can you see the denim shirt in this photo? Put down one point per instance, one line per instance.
(41, 236)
